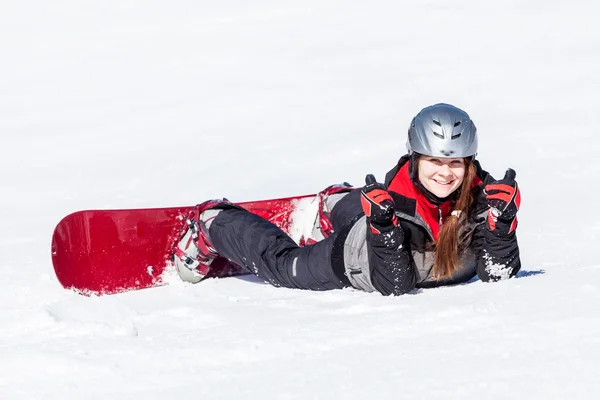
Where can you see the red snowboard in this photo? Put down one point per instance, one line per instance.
(111, 251)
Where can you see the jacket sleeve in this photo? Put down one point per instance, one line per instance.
(389, 261)
(498, 256)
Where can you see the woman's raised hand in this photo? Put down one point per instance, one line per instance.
(504, 199)
(377, 204)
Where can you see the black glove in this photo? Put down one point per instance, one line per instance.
(504, 199)
(378, 205)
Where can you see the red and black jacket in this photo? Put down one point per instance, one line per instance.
(489, 255)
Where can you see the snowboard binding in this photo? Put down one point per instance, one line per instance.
(193, 254)
(327, 199)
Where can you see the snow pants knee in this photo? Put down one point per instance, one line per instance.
(265, 250)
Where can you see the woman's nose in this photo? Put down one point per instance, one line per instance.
(445, 170)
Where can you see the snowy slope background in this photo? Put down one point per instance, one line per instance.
(128, 104)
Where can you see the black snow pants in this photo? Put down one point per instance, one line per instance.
(265, 250)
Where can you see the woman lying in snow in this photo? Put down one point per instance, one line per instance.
(439, 219)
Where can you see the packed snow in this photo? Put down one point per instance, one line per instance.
(129, 104)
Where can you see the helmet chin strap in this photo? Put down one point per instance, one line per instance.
(433, 199)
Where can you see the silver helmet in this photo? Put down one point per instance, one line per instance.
(444, 131)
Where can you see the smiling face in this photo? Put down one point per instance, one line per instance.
(441, 176)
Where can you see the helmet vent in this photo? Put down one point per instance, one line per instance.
(441, 136)
(456, 136)
(457, 123)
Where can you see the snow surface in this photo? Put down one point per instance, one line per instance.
(126, 104)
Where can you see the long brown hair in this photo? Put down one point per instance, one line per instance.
(449, 244)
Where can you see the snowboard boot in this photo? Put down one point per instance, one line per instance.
(193, 254)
